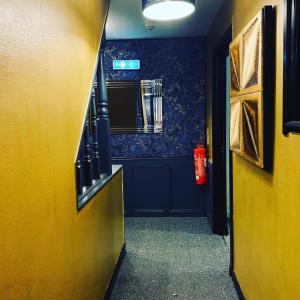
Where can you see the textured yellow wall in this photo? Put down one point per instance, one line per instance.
(267, 206)
(48, 250)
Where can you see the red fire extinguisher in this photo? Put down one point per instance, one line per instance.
(200, 165)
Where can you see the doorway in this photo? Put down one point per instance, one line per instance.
(222, 159)
(228, 154)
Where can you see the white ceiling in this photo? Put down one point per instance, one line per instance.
(125, 21)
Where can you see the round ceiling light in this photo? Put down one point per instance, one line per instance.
(167, 10)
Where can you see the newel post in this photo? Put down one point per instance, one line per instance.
(104, 122)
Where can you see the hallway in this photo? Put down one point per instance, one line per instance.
(173, 258)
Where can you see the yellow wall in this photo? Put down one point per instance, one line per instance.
(47, 59)
(267, 206)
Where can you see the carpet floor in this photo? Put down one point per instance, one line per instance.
(173, 258)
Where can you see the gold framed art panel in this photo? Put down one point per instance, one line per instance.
(252, 128)
(247, 90)
(235, 68)
(246, 127)
(235, 124)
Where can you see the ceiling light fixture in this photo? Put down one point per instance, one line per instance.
(167, 10)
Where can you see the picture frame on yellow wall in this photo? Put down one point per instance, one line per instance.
(252, 90)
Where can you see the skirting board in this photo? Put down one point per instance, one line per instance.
(237, 286)
(115, 274)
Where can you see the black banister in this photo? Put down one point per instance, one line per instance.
(79, 177)
(104, 122)
(93, 164)
(87, 154)
(96, 154)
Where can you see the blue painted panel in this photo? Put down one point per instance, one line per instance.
(162, 187)
(185, 193)
(181, 65)
(151, 188)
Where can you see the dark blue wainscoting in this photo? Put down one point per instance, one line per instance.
(162, 187)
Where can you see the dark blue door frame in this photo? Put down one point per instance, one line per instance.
(219, 207)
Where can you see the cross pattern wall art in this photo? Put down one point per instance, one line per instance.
(251, 86)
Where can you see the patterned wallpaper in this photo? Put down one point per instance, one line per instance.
(181, 65)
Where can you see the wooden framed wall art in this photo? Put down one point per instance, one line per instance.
(251, 90)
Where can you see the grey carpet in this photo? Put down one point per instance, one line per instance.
(173, 258)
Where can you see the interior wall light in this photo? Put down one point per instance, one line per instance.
(167, 10)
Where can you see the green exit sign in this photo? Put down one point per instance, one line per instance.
(126, 64)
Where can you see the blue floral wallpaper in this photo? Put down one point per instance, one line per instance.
(181, 65)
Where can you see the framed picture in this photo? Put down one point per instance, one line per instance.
(291, 68)
(252, 90)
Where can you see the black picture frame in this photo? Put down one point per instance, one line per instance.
(291, 68)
